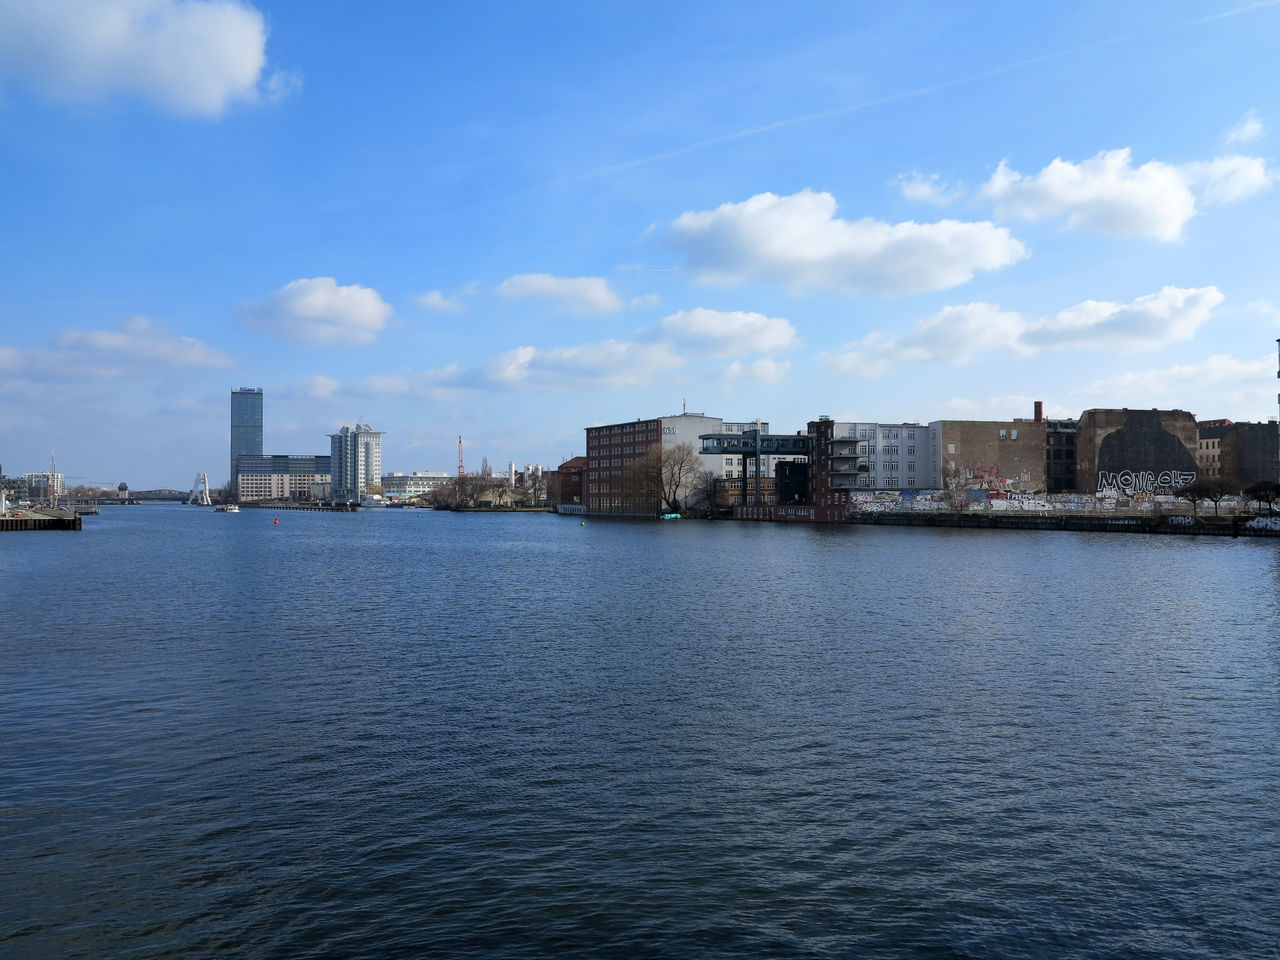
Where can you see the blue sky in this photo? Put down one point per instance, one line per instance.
(512, 221)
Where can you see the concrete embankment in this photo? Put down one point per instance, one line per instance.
(28, 520)
(1184, 525)
(342, 508)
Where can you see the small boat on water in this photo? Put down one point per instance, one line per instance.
(372, 500)
(226, 508)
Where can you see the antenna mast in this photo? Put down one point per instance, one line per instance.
(462, 474)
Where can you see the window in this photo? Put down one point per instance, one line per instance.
(1014, 435)
(911, 434)
(1003, 434)
(911, 451)
(911, 464)
(951, 448)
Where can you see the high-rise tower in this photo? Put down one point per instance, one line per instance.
(355, 456)
(246, 427)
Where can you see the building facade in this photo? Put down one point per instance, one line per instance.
(279, 477)
(45, 486)
(246, 427)
(987, 456)
(1209, 434)
(1060, 455)
(420, 483)
(1250, 454)
(609, 482)
(1134, 452)
(355, 455)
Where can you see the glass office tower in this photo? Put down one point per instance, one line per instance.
(246, 427)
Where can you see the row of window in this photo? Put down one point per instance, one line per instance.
(868, 433)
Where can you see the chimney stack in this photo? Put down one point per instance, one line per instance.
(1039, 411)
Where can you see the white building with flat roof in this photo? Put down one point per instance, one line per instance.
(416, 484)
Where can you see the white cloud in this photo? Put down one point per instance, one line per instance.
(1107, 194)
(1104, 193)
(1168, 316)
(140, 341)
(645, 300)
(723, 332)
(139, 347)
(191, 56)
(319, 312)
(442, 383)
(960, 334)
(763, 371)
(436, 300)
(798, 240)
(1247, 130)
(1265, 308)
(1228, 179)
(590, 295)
(1227, 378)
(609, 363)
(321, 387)
(927, 188)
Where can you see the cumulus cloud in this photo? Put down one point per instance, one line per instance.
(927, 188)
(320, 312)
(436, 300)
(1266, 308)
(960, 334)
(1168, 316)
(141, 340)
(1107, 194)
(588, 295)
(1247, 130)
(1228, 378)
(613, 363)
(722, 332)
(764, 371)
(195, 57)
(1228, 179)
(798, 240)
(139, 346)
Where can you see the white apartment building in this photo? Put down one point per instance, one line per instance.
(355, 454)
(415, 484)
(45, 484)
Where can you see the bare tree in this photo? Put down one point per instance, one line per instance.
(1264, 491)
(1217, 489)
(1195, 493)
(535, 484)
(680, 466)
(955, 481)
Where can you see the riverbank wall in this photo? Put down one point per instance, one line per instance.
(30, 522)
(1232, 526)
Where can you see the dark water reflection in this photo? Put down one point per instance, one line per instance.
(392, 735)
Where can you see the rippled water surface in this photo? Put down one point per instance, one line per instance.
(399, 735)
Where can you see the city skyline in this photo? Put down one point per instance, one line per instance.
(512, 228)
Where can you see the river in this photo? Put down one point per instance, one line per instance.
(390, 734)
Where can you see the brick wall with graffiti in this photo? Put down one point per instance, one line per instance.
(1135, 452)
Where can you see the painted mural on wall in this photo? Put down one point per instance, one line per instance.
(1143, 457)
(980, 477)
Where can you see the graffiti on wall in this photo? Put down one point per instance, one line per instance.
(1132, 482)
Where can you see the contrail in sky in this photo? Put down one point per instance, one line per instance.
(912, 94)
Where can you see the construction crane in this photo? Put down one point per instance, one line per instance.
(462, 475)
